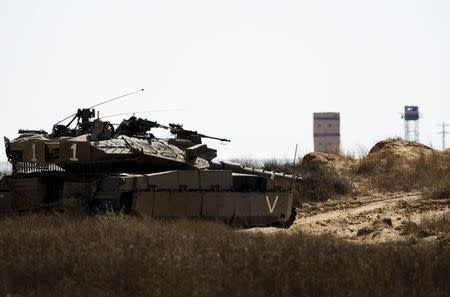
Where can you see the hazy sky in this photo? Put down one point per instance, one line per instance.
(251, 71)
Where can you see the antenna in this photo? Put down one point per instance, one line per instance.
(109, 100)
(103, 102)
(139, 112)
(444, 132)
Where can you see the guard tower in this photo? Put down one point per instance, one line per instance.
(411, 117)
(327, 132)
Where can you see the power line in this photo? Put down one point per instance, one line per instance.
(444, 132)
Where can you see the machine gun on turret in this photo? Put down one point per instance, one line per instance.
(194, 136)
(137, 127)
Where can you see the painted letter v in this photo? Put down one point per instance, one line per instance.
(271, 207)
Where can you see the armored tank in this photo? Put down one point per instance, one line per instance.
(95, 165)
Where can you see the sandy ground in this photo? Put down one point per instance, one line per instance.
(369, 219)
(366, 215)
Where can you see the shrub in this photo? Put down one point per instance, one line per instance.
(273, 165)
(321, 184)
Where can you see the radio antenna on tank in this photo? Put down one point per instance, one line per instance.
(122, 96)
(104, 102)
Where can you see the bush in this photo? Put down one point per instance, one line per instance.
(274, 165)
(321, 184)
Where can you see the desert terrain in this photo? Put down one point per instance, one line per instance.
(399, 191)
(370, 219)
(378, 225)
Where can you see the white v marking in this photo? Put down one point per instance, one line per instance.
(271, 207)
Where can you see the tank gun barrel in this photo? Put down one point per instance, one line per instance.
(238, 168)
(151, 124)
(215, 138)
(24, 131)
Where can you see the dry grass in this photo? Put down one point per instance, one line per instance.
(279, 165)
(430, 224)
(321, 184)
(439, 190)
(387, 172)
(247, 162)
(59, 255)
(272, 164)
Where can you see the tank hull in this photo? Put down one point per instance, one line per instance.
(234, 208)
(217, 195)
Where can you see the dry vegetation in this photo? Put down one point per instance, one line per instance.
(321, 184)
(390, 166)
(397, 165)
(361, 253)
(114, 255)
(438, 190)
(429, 224)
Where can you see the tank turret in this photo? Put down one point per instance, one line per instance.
(89, 163)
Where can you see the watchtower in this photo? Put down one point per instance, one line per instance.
(411, 117)
(327, 134)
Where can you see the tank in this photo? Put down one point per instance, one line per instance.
(97, 165)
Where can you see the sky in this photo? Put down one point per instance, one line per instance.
(251, 71)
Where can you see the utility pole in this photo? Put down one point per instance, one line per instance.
(444, 132)
(295, 154)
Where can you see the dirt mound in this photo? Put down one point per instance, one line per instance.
(399, 165)
(396, 155)
(325, 160)
(405, 150)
